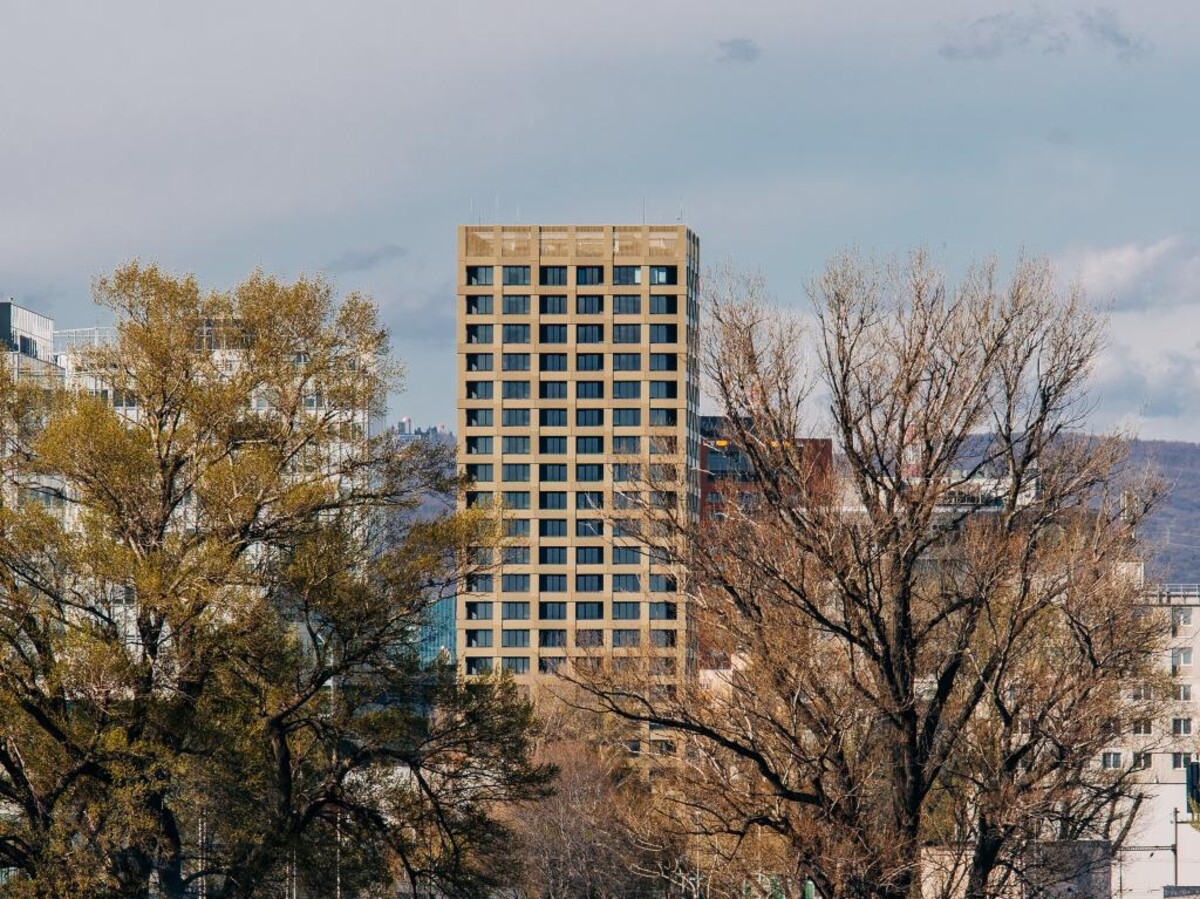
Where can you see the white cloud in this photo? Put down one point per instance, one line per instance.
(1165, 272)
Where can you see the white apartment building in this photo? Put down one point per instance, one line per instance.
(1163, 848)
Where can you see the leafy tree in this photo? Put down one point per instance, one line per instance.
(208, 673)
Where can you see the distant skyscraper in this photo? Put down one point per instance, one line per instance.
(577, 379)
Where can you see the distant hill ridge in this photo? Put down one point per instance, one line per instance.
(1175, 528)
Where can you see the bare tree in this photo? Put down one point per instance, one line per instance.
(929, 643)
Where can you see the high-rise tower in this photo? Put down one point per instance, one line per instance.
(577, 414)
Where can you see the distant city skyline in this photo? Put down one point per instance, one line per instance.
(780, 133)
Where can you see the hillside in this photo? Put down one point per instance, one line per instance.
(1175, 528)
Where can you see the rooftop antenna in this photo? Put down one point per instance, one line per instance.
(681, 210)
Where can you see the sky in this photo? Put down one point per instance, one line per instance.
(352, 138)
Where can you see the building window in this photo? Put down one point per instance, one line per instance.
(516, 362)
(627, 274)
(516, 305)
(1182, 693)
(479, 276)
(479, 611)
(1180, 759)
(662, 639)
(583, 333)
(589, 611)
(589, 361)
(589, 275)
(516, 333)
(553, 639)
(516, 527)
(516, 276)
(663, 274)
(479, 666)
(626, 583)
(516, 555)
(479, 473)
(514, 583)
(589, 390)
(625, 638)
(663, 361)
(589, 473)
(552, 527)
(627, 362)
(589, 499)
(627, 418)
(1181, 658)
(588, 583)
(514, 446)
(516, 472)
(664, 333)
(479, 418)
(626, 555)
(514, 418)
(662, 583)
(552, 418)
(627, 499)
(589, 527)
(551, 665)
(1180, 618)
(663, 446)
(481, 305)
(552, 390)
(1141, 761)
(589, 418)
(479, 390)
(516, 390)
(553, 583)
(662, 611)
(627, 446)
(514, 639)
(553, 276)
(589, 555)
(551, 472)
(553, 361)
(552, 333)
(514, 611)
(663, 417)
(1110, 760)
(552, 445)
(552, 611)
(479, 639)
(515, 664)
(624, 472)
(553, 555)
(589, 639)
(627, 334)
(627, 611)
(589, 446)
(664, 305)
(479, 361)
(627, 305)
(664, 390)
(1141, 727)
(552, 305)
(589, 305)
(552, 499)
(479, 333)
(1181, 727)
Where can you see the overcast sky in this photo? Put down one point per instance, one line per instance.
(352, 138)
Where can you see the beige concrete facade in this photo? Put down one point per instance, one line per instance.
(577, 376)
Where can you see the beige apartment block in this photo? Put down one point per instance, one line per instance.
(577, 393)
